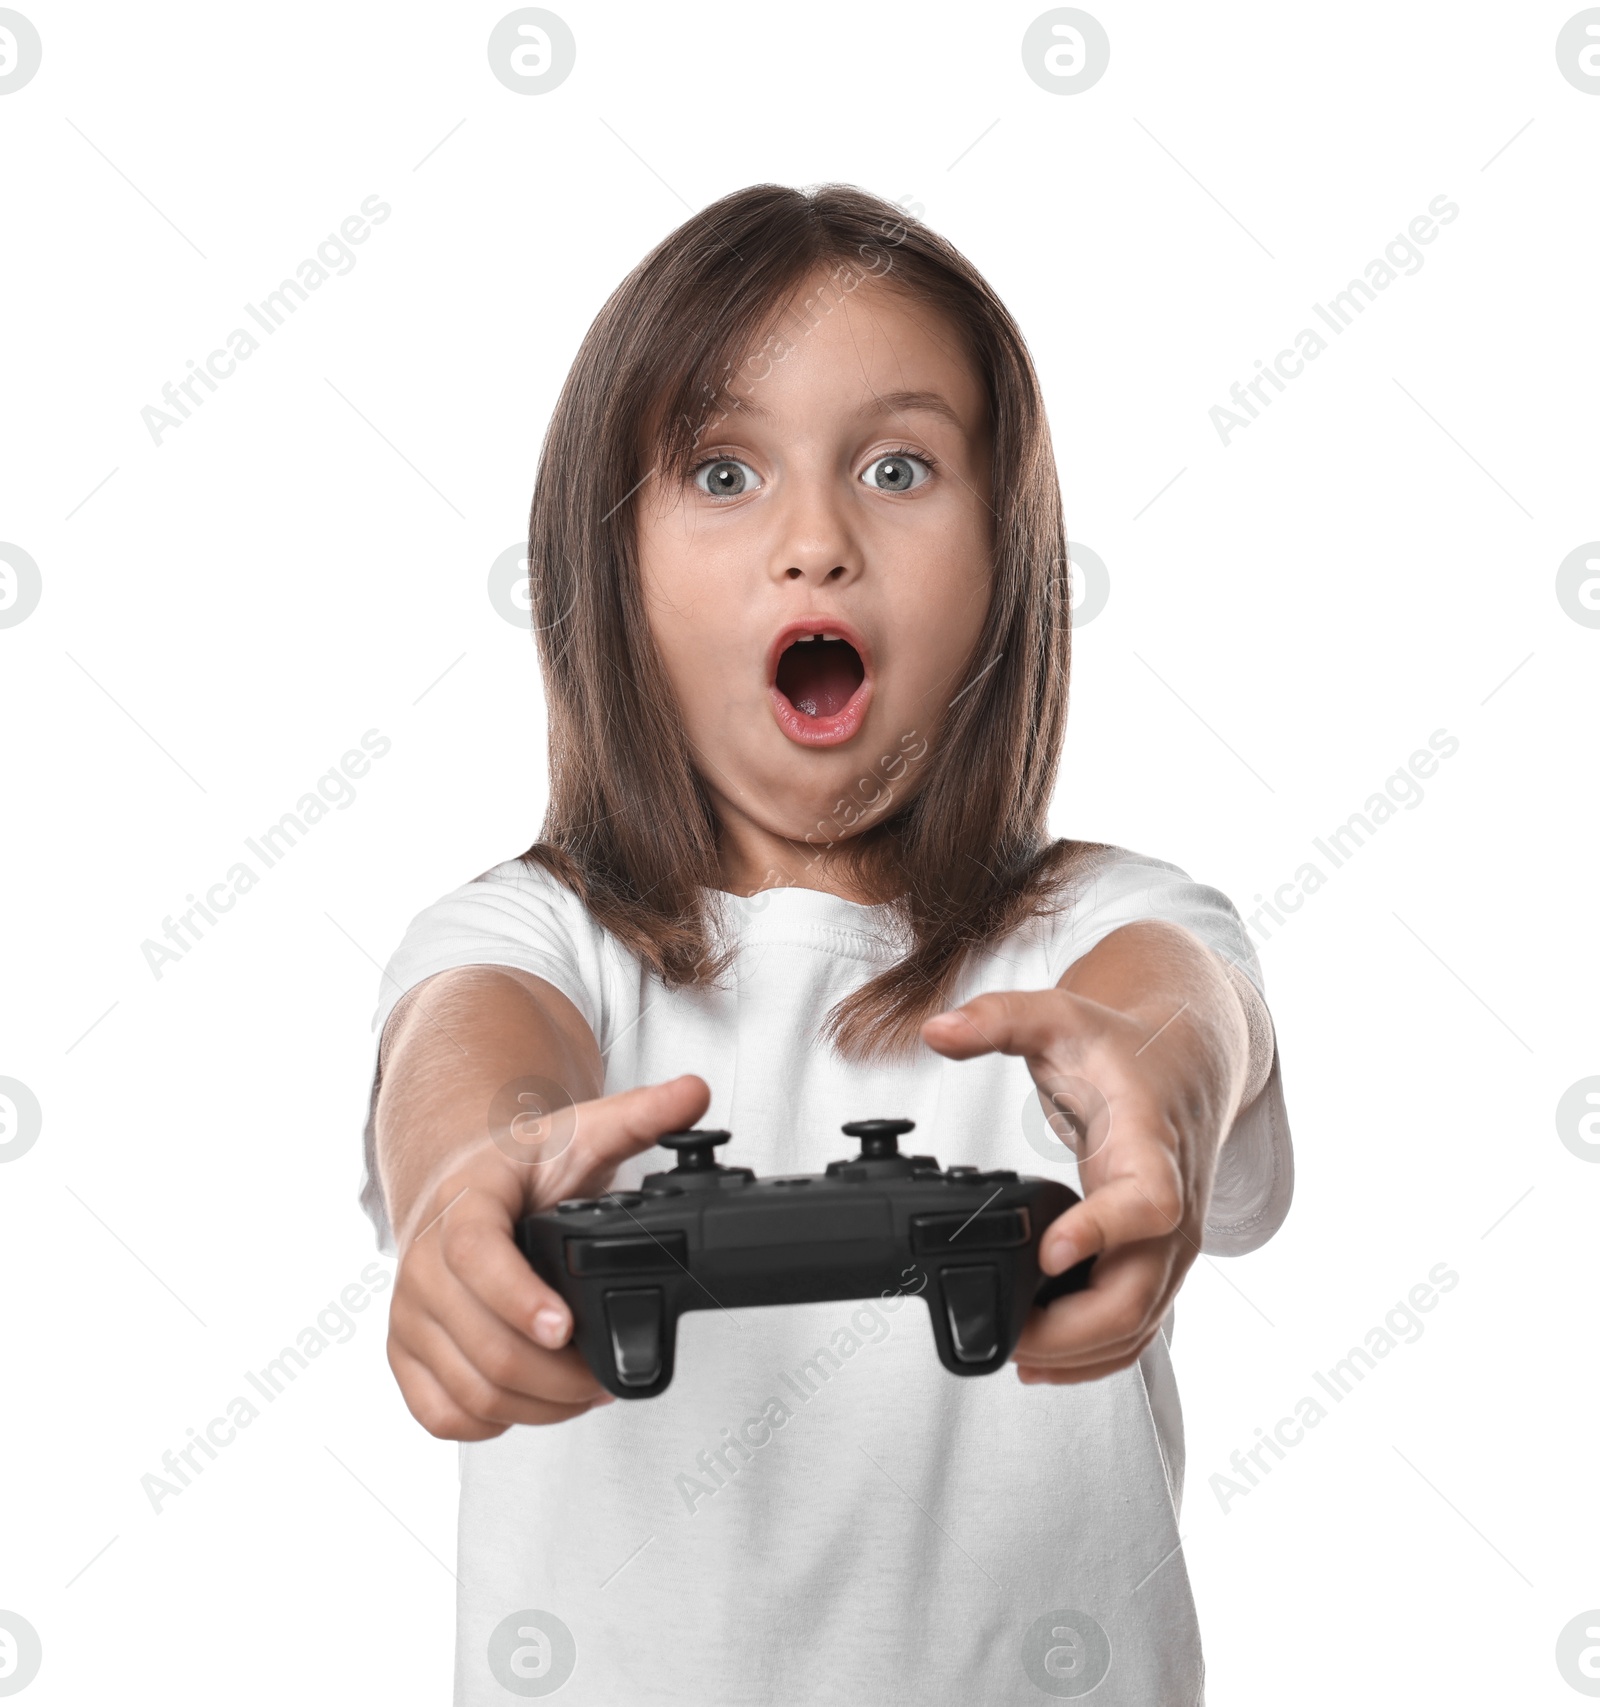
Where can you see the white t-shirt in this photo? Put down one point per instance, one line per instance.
(816, 1510)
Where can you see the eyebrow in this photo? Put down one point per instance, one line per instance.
(904, 402)
(876, 406)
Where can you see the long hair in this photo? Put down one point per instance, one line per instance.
(630, 828)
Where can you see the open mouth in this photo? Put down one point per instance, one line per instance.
(818, 676)
(820, 681)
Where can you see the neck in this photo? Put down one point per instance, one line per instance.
(754, 859)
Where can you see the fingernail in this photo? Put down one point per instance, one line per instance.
(550, 1328)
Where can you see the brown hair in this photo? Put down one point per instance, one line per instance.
(629, 827)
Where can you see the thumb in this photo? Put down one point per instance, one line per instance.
(614, 1128)
(1006, 1022)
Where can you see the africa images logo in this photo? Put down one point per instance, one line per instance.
(1402, 256)
(335, 789)
(334, 258)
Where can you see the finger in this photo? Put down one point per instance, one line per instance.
(1039, 1375)
(474, 1244)
(1063, 1347)
(1120, 1355)
(428, 1402)
(1005, 1022)
(508, 1359)
(614, 1128)
(1145, 1202)
(1127, 1296)
(484, 1400)
(1092, 1357)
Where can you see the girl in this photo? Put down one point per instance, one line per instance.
(796, 562)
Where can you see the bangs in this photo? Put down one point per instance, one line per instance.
(723, 317)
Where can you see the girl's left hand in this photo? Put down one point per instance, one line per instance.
(1149, 1098)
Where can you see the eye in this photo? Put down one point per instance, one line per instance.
(899, 471)
(725, 477)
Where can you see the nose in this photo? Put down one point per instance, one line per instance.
(813, 539)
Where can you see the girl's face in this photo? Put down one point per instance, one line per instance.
(845, 494)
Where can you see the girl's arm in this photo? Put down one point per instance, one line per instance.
(476, 1340)
(1151, 1044)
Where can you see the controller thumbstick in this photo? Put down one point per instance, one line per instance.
(879, 1138)
(695, 1149)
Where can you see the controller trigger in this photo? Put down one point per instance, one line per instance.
(634, 1320)
(972, 1308)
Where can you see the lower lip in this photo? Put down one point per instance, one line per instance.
(821, 731)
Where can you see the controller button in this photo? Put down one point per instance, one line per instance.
(972, 1304)
(798, 1179)
(653, 1191)
(634, 1254)
(999, 1176)
(576, 1205)
(989, 1229)
(634, 1321)
(624, 1200)
(962, 1172)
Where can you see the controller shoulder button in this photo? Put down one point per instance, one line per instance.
(628, 1254)
(984, 1229)
(577, 1205)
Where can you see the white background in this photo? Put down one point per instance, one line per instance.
(307, 558)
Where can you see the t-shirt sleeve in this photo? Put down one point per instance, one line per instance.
(1254, 1181)
(513, 915)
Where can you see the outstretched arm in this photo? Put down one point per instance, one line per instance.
(477, 1341)
(1144, 1053)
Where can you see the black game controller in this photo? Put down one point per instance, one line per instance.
(704, 1237)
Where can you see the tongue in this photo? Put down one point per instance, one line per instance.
(819, 676)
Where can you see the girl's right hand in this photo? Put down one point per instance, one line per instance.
(477, 1340)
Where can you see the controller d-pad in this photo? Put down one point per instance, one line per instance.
(972, 1304)
(634, 1322)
